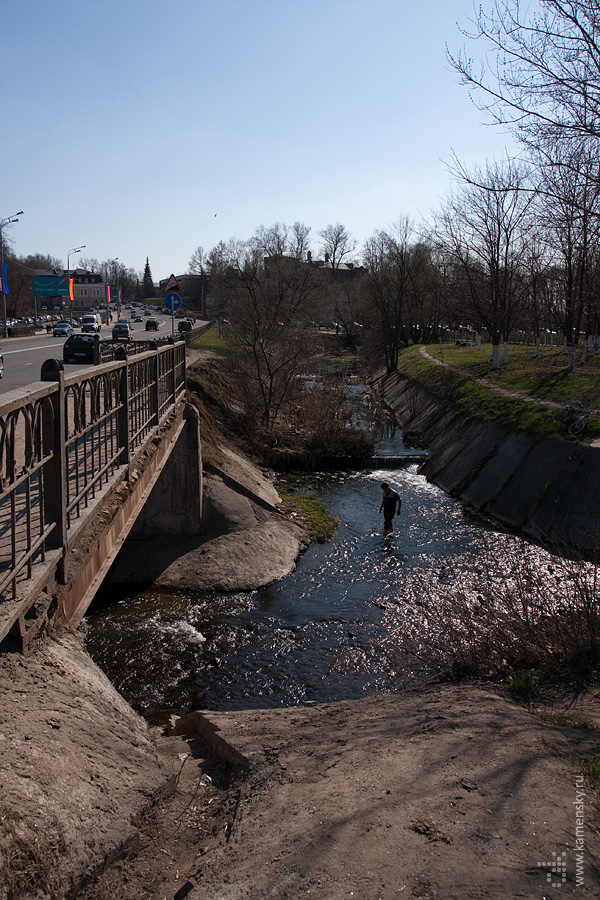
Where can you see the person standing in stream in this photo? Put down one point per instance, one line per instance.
(390, 501)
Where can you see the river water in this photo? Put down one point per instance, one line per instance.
(336, 628)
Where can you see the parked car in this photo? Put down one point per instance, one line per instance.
(79, 348)
(122, 331)
(1, 365)
(62, 329)
(151, 324)
(184, 325)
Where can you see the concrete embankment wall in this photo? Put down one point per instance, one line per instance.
(547, 489)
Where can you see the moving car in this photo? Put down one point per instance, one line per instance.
(122, 331)
(91, 322)
(1, 366)
(151, 324)
(79, 348)
(62, 329)
(184, 325)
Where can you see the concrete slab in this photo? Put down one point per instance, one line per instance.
(547, 471)
(498, 470)
(576, 512)
(473, 444)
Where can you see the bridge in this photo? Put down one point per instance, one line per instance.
(79, 457)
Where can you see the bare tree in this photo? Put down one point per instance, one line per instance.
(284, 240)
(270, 303)
(483, 227)
(300, 240)
(396, 288)
(198, 261)
(569, 211)
(541, 71)
(337, 243)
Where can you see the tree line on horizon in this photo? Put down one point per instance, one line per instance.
(514, 245)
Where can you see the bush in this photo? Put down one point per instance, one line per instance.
(515, 615)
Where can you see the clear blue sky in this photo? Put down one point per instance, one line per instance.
(144, 128)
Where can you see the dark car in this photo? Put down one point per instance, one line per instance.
(62, 329)
(80, 348)
(184, 325)
(152, 324)
(1, 366)
(122, 331)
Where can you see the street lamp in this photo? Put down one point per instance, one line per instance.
(108, 277)
(74, 250)
(10, 220)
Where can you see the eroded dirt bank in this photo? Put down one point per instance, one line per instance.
(446, 793)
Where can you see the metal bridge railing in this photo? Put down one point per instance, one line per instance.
(62, 442)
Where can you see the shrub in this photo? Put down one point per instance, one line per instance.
(515, 613)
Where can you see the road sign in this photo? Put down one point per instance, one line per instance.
(172, 285)
(172, 301)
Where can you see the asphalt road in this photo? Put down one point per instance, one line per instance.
(23, 356)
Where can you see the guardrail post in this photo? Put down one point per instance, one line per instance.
(173, 374)
(123, 422)
(155, 392)
(54, 432)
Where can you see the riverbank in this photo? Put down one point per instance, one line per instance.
(448, 792)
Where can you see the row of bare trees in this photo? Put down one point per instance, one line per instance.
(540, 78)
(515, 245)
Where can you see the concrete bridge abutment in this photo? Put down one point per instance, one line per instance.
(174, 508)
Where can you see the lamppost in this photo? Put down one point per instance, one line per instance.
(117, 288)
(112, 261)
(74, 250)
(10, 220)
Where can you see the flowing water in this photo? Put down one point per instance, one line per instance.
(334, 629)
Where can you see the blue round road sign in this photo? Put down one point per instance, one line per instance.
(172, 301)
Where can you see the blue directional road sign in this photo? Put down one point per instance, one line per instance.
(172, 301)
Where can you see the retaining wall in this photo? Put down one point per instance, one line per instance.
(547, 489)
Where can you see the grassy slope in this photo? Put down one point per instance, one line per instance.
(543, 378)
(210, 340)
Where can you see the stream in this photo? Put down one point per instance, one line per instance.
(335, 629)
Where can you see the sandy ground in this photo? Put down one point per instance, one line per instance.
(450, 792)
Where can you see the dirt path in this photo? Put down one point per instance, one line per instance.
(490, 384)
